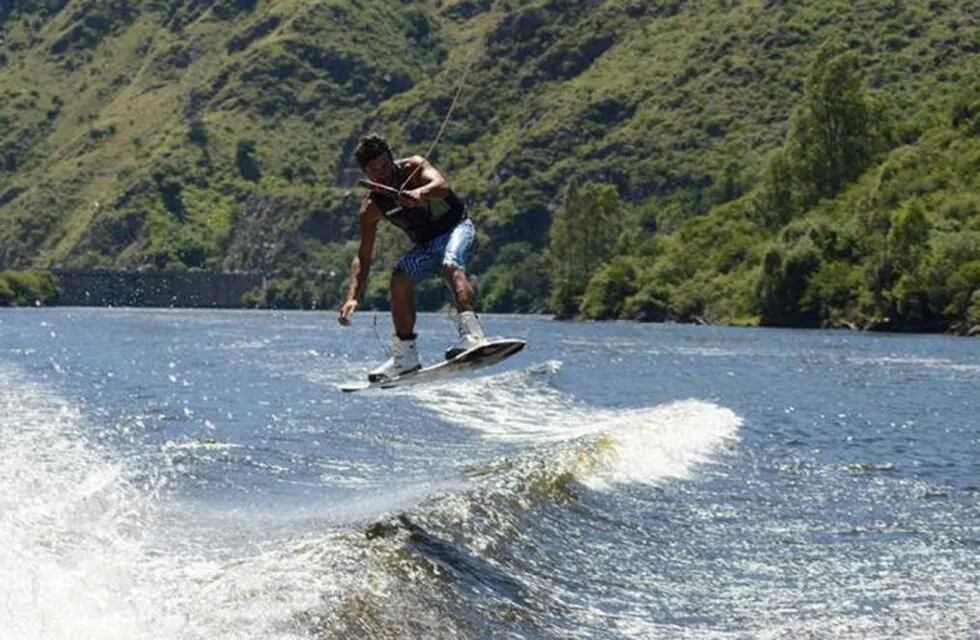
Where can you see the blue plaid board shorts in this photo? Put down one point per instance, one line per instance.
(450, 249)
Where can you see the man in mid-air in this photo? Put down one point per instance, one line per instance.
(420, 202)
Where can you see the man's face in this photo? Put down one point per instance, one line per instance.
(380, 169)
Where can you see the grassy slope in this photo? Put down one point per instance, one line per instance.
(130, 151)
(128, 108)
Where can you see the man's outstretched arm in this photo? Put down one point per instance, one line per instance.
(360, 266)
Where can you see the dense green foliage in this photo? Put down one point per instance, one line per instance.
(583, 237)
(837, 234)
(27, 288)
(802, 164)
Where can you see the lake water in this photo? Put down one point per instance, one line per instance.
(197, 474)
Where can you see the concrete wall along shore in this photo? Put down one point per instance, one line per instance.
(155, 289)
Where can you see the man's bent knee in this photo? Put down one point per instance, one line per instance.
(401, 279)
(402, 287)
(450, 271)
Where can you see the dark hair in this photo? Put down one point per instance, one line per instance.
(370, 147)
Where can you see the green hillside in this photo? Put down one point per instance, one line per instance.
(217, 135)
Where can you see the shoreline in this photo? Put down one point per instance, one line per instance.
(974, 332)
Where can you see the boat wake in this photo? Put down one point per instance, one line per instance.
(642, 445)
(89, 551)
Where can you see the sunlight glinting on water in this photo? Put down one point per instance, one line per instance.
(782, 485)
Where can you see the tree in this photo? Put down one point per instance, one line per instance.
(610, 287)
(517, 282)
(584, 232)
(782, 283)
(248, 167)
(834, 136)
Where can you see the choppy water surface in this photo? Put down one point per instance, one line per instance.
(188, 474)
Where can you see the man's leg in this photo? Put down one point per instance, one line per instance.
(468, 324)
(454, 257)
(403, 304)
(404, 355)
(459, 284)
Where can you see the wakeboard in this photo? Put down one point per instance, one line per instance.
(484, 355)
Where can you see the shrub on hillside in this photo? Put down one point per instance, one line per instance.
(23, 288)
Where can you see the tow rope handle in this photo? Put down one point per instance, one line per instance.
(377, 186)
(383, 188)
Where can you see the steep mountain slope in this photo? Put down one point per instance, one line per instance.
(217, 134)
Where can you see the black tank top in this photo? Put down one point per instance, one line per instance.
(433, 218)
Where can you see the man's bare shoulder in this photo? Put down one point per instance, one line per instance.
(369, 210)
(411, 162)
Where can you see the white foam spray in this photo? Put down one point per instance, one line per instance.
(643, 445)
(86, 554)
(69, 522)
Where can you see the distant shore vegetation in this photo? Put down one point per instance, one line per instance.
(789, 164)
(27, 288)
